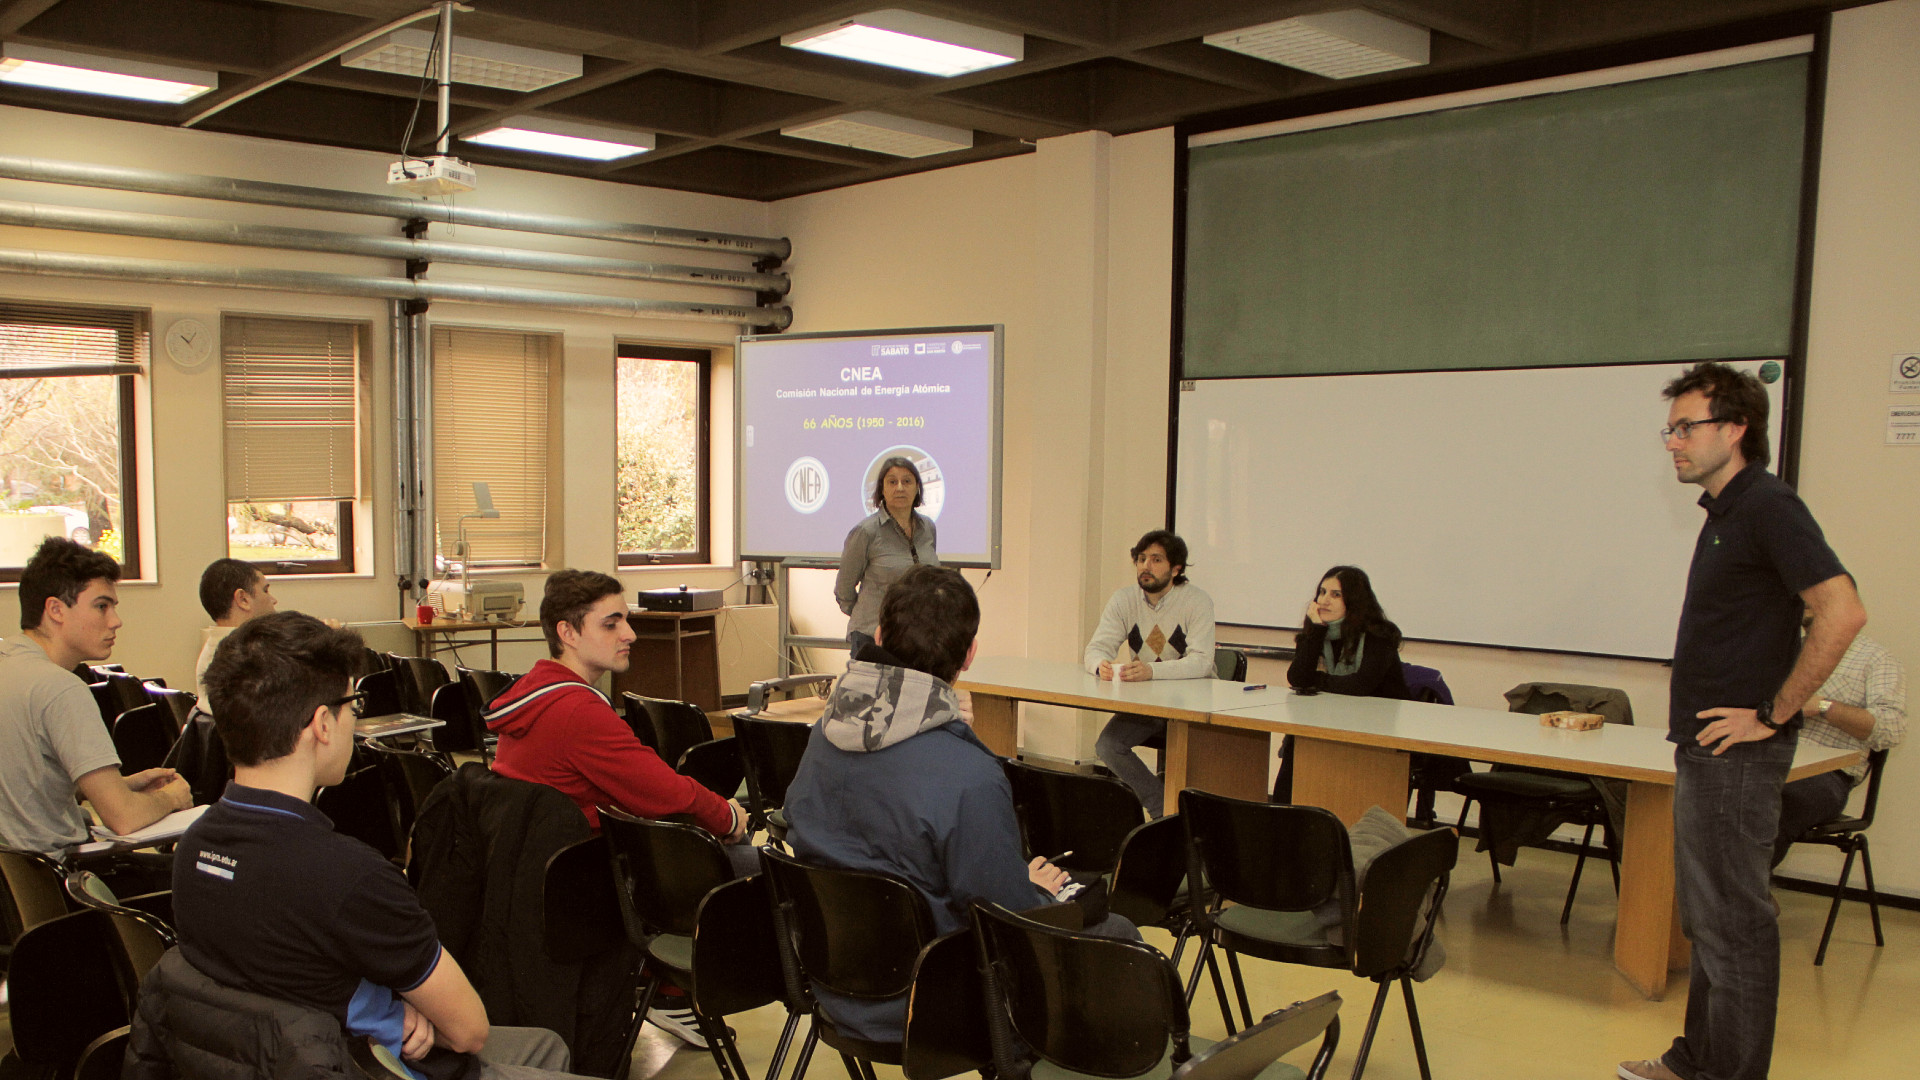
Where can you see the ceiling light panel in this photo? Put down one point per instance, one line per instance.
(910, 40)
(481, 63)
(884, 134)
(566, 139)
(58, 69)
(1336, 44)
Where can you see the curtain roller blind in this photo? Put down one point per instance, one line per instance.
(51, 340)
(490, 425)
(291, 402)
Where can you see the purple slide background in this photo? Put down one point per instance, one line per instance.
(957, 434)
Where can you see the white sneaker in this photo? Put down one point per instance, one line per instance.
(680, 1023)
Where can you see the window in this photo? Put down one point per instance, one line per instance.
(291, 393)
(67, 385)
(661, 455)
(490, 426)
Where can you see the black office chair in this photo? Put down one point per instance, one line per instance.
(416, 678)
(461, 731)
(382, 690)
(367, 805)
(1090, 816)
(1272, 869)
(1149, 883)
(1135, 1025)
(69, 981)
(705, 931)
(199, 755)
(1521, 805)
(1849, 834)
(144, 736)
(483, 687)
(770, 753)
(870, 935)
(116, 693)
(674, 729)
(178, 703)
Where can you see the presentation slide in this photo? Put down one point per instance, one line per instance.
(819, 413)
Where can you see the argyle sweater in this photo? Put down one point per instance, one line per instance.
(1174, 638)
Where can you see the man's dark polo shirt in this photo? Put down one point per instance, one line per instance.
(268, 898)
(1740, 626)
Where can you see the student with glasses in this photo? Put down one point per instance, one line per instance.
(886, 544)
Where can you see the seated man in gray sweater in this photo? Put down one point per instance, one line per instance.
(1166, 627)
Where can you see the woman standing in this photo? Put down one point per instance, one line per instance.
(886, 544)
(1347, 646)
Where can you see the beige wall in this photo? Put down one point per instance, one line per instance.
(181, 432)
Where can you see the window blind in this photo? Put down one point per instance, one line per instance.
(291, 395)
(39, 341)
(490, 425)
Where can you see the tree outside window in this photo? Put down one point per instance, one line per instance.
(661, 455)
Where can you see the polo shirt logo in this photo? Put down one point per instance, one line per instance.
(216, 871)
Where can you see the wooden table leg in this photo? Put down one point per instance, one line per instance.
(996, 722)
(1347, 778)
(1222, 760)
(1648, 923)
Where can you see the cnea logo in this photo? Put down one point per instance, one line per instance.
(806, 485)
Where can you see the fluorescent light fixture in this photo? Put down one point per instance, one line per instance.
(565, 138)
(910, 40)
(80, 73)
(884, 134)
(482, 63)
(1336, 44)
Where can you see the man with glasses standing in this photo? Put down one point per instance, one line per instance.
(1740, 679)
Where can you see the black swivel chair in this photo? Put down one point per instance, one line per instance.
(1272, 869)
(1135, 1026)
(1849, 834)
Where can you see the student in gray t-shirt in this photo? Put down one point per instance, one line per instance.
(52, 742)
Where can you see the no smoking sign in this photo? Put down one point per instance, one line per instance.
(1906, 373)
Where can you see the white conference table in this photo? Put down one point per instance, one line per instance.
(1351, 753)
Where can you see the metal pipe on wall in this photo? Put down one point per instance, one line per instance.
(169, 272)
(259, 192)
(204, 231)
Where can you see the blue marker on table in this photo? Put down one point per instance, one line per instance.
(1253, 686)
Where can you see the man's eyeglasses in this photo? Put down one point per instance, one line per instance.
(358, 701)
(1683, 428)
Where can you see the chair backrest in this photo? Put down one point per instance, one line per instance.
(462, 730)
(580, 915)
(364, 804)
(1390, 922)
(179, 703)
(104, 1056)
(662, 870)
(1147, 877)
(1247, 1054)
(770, 753)
(89, 890)
(1268, 855)
(855, 932)
(736, 955)
(1089, 816)
(144, 736)
(715, 764)
(411, 776)
(1425, 684)
(383, 693)
(1048, 979)
(677, 726)
(1876, 765)
(417, 677)
(199, 755)
(69, 981)
(483, 685)
(1229, 664)
(34, 892)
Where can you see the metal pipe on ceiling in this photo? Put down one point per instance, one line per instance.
(260, 192)
(169, 272)
(201, 230)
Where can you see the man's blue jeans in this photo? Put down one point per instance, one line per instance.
(1726, 812)
(1115, 747)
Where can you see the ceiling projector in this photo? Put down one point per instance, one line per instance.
(438, 174)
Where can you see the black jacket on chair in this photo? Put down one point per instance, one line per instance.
(190, 1025)
(480, 850)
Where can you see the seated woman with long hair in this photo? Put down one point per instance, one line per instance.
(1347, 645)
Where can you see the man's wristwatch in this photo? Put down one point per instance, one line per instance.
(1826, 706)
(1764, 714)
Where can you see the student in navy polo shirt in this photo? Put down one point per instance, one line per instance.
(1741, 675)
(267, 898)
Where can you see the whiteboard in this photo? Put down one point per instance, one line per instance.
(1531, 508)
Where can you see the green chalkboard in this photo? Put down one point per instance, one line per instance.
(1644, 221)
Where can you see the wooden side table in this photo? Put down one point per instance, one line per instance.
(676, 655)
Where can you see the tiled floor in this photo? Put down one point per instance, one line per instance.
(1522, 998)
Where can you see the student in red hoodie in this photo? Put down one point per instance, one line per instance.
(556, 729)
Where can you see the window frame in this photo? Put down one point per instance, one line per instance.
(126, 385)
(702, 359)
(346, 512)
